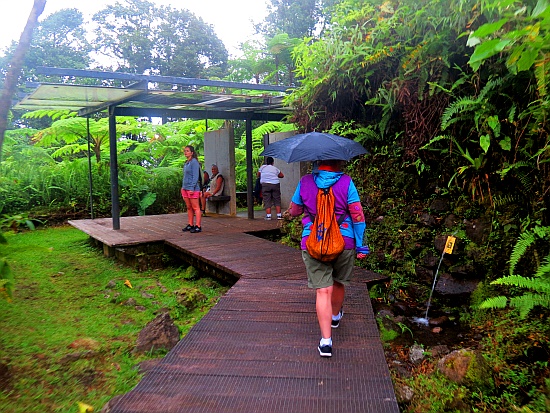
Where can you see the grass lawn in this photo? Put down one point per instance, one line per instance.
(68, 334)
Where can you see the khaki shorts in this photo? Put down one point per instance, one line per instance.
(322, 275)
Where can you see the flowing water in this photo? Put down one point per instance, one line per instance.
(424, 320)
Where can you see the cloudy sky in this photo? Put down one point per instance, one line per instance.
(232, 19)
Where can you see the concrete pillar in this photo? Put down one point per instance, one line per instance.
(219, 149)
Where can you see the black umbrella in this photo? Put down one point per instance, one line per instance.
(314, 146)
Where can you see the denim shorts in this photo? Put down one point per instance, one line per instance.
(322, 275)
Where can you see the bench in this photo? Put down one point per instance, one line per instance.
(219, 199)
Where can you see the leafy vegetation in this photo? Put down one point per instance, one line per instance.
(81, 348)
(450, 99)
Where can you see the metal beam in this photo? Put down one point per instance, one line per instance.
(198, 114)
(56, 71)
(249, 171)
(115, 203)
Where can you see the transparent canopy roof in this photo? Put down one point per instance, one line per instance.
(184, 97)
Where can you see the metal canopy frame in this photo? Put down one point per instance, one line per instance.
(158, 96)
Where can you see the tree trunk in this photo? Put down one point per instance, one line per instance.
(15, 67)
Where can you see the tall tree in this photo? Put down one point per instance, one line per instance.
(59, 41)
(10, 83)
(162, 40)
(187, 46)
(297, 18)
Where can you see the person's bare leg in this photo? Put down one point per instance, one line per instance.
(202, 202)
(323, 307)
(189, 211)
(337, 298)
(278, 209)
(197, 210)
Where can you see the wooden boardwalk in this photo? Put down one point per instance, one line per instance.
(256, 349)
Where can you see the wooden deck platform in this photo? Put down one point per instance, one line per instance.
(256, 350)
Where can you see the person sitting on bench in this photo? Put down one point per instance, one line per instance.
(215, 187)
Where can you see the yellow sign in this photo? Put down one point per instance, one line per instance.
(449, 245)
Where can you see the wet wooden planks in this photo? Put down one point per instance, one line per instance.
(256, 349)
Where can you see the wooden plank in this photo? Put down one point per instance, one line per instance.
(256, 349)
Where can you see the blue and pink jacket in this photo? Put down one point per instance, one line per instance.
(346, 203)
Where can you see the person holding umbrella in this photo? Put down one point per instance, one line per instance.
(329, 279)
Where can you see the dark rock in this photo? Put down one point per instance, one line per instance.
(161, 333)
(403, 393)
(439, 351)
(401, 371)
(428, 220)
(401, 308)
(451, 221)
(463, 271)
(478, 230)
(447, 284)
(438, 321)
(147, 295)
(130, 302)
(5, 377)
(440, 242)
(424, 274)
(439, 205)
(430, 261)
(111, 285)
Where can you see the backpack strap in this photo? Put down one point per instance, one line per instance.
(340, 218)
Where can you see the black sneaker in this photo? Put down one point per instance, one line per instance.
(325, 351)
(336, 323)
(195, 230)
(188, 228)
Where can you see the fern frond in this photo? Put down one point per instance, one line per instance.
(509, 199)
(526, 181)
(527, 302)
(544, 270)
(525, 240)
(69, 150)
(542, 232)
(494, 302)
(542, 74)
(490, 85)
(461, 105)
(436, 139)
(538, 285)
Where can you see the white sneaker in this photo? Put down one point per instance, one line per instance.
(267, 218)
